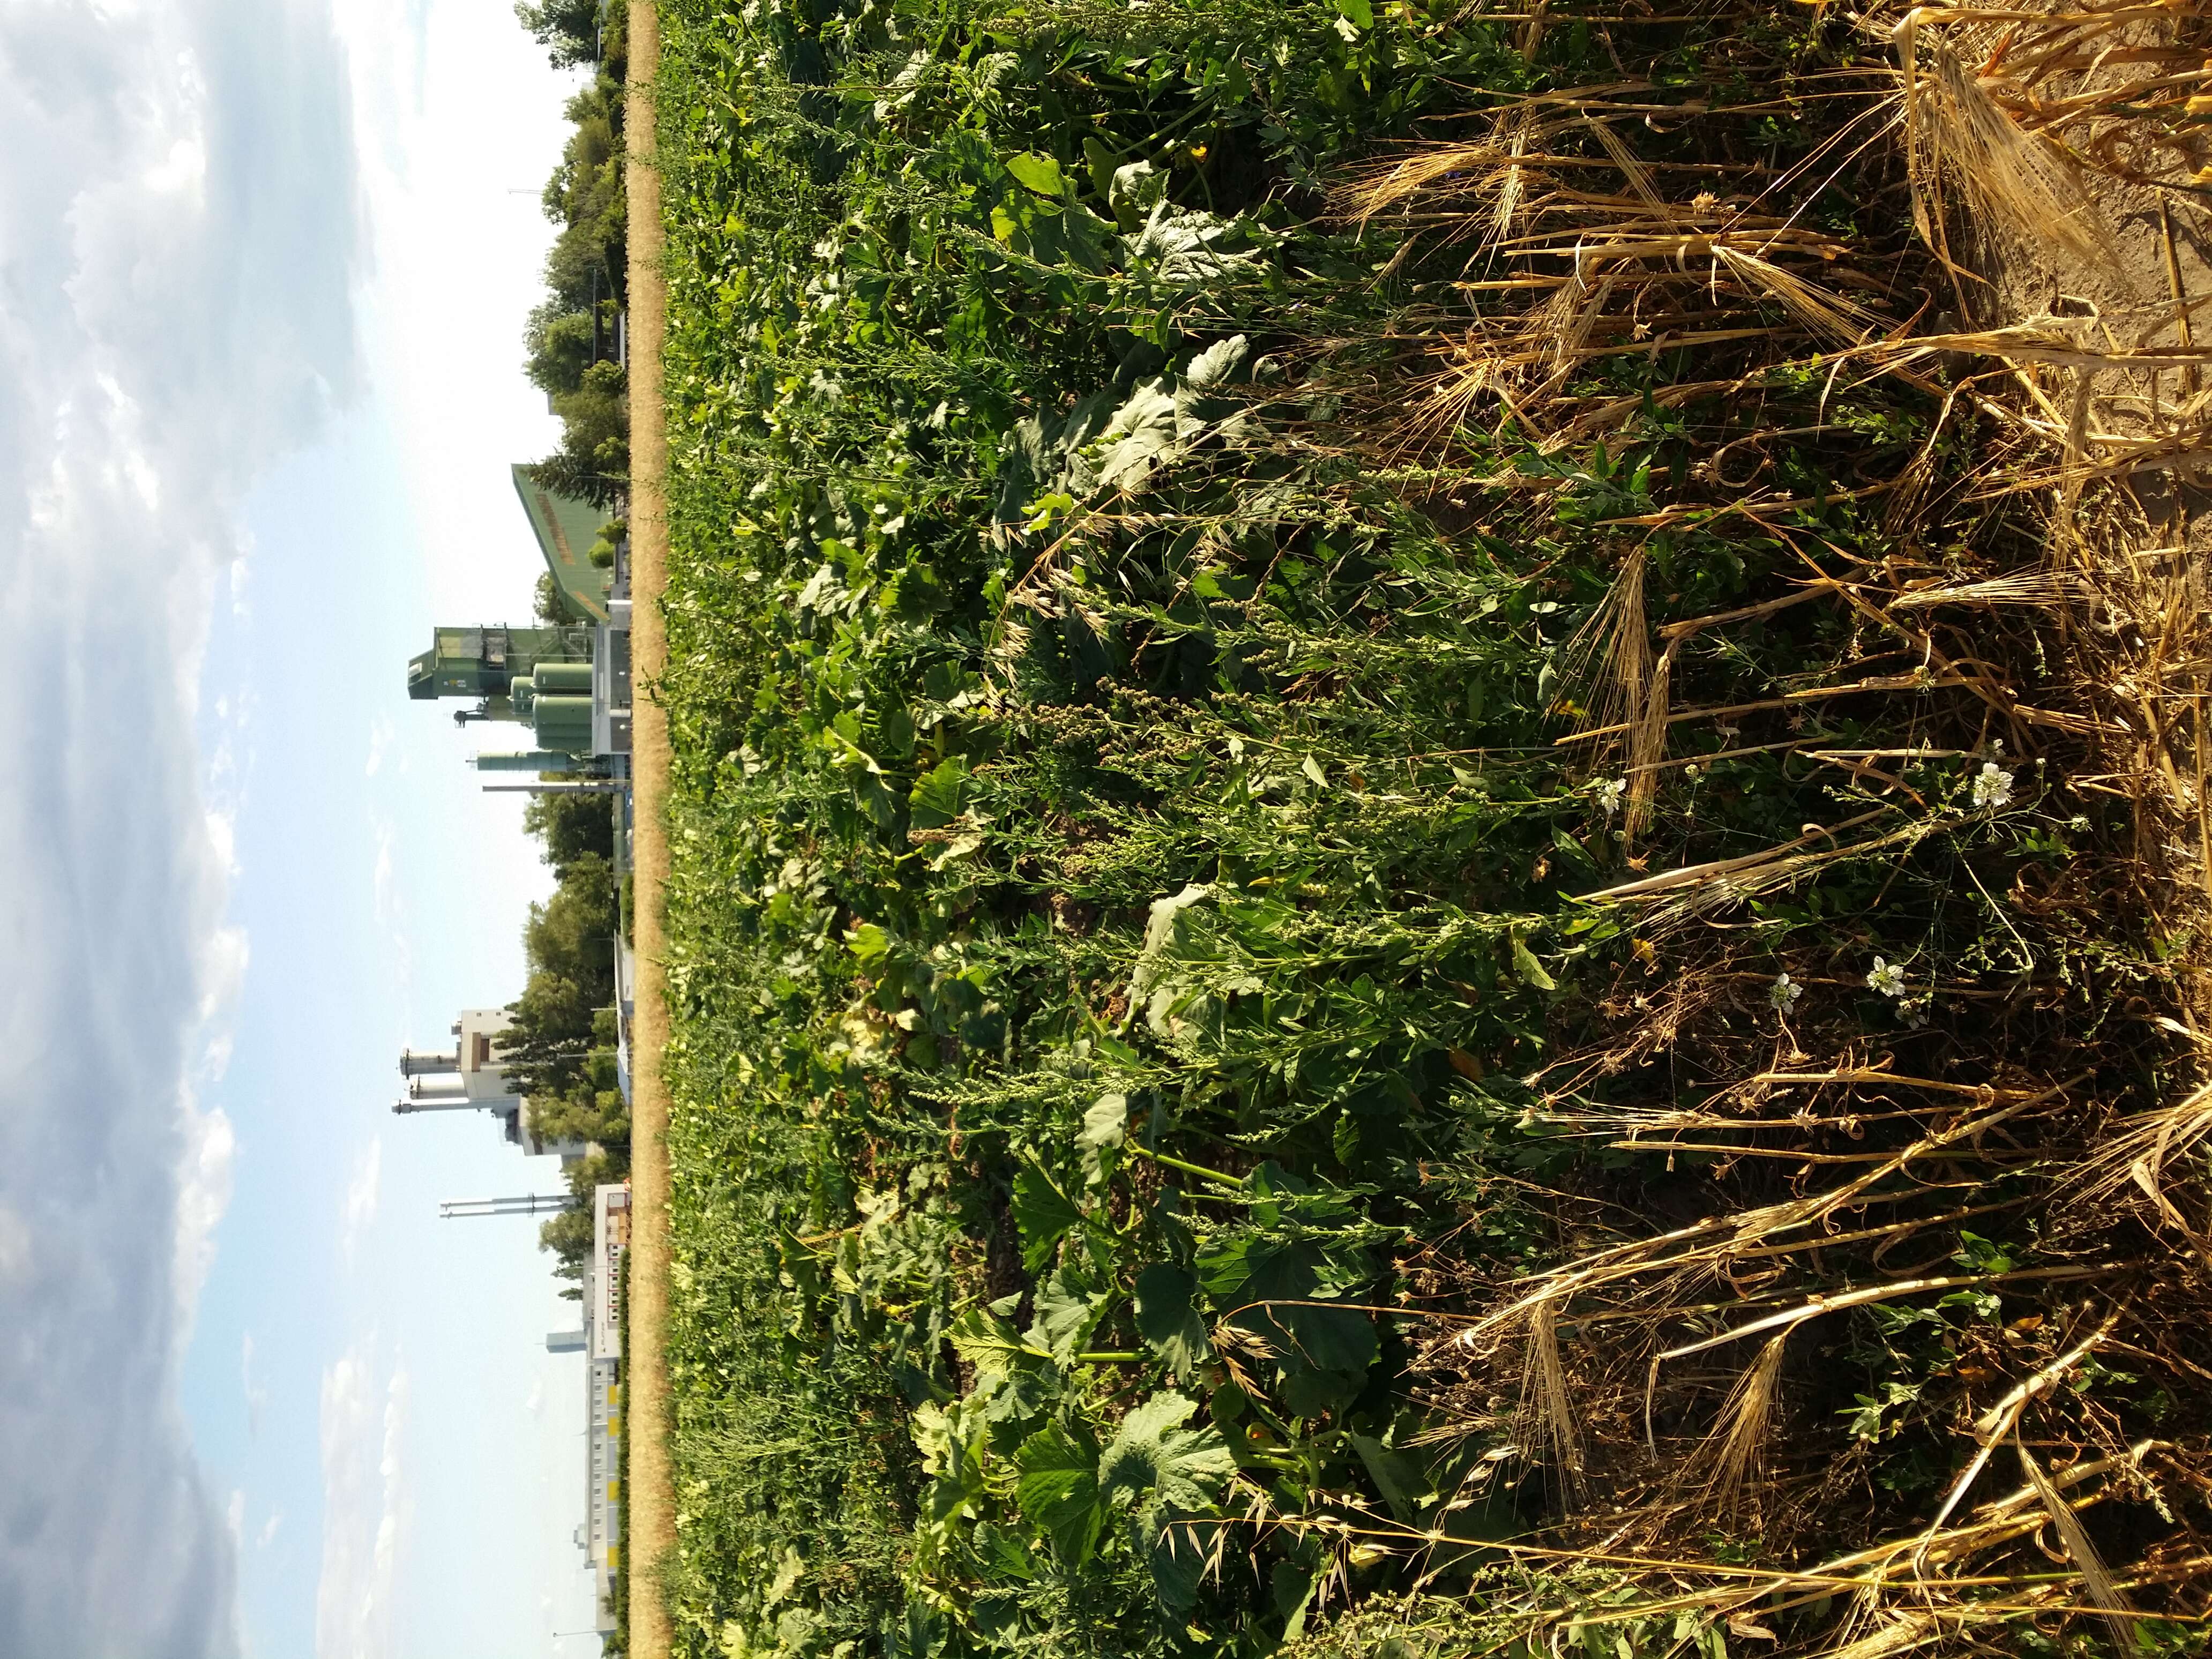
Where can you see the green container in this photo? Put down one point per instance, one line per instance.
(563, 723)
(567, 678)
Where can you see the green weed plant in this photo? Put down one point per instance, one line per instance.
(1177, 965)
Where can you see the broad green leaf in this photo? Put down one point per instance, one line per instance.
(1165, 1475)
(789, 1570)
(1133, 191)
(1268, 1285)
(1175, 1548)
(1059, 1490)
(1105, 1125)
(1169, 1321)
(1102, 161)
(1042, 1213)
(989, 1344)
(1141, 438)
(1360, 13)
(1068, 1309)
(1151, 1454)
(1291, 1586)
(935, 801)
(1039, 172)
(1397, 1476)
(1216, 362)
(1159, 930)
(1531, 970)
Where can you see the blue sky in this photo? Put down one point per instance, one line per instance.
(263, 273)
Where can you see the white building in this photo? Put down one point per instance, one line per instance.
(601, 1535)
(472, 1077)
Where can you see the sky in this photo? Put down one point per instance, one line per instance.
(264, 267)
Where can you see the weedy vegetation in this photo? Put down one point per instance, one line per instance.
(1438, 829)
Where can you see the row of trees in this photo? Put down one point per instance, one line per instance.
(569, 340)
(562, 1042)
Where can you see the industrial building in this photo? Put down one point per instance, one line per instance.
(570, 683)
(600, 1343)
(472, 1077)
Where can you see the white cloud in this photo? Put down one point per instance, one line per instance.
(256, 1394)
(203, 1186)
(233, 1516)
(214, 1058)
(269, 1529)
(390, 905)
(363, 1191)
(533, 1403)
(15, 1249)
(177, 212)
(380, 734)
(222, 838)
(365, 1505)
(223, 956)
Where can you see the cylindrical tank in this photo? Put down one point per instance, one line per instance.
(537, 760)
(567, 678)
(413, 1062)
(521, 695)
(563, 723)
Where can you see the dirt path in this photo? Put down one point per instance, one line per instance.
(652, 1484)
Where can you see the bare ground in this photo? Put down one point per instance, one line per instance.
(652, 1493)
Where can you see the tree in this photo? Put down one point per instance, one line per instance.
(568, 943)
(568, 29)
(559, 345)
(572, 827)
(569, 1236)
(571, 935)
(593, 459)
(553, 607)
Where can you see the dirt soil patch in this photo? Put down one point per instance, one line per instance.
(652, 1500)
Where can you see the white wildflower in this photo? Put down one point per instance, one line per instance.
(1784, 992)
(1610, 795)
(2079, 823)
(1888, 978)
(1992, 785)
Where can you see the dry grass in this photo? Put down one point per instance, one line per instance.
(2030, 140)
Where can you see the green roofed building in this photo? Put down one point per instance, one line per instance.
(566, 529)
(570, 683)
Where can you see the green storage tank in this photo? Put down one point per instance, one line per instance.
(522, 693)
(564, 722)
(570, 678)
